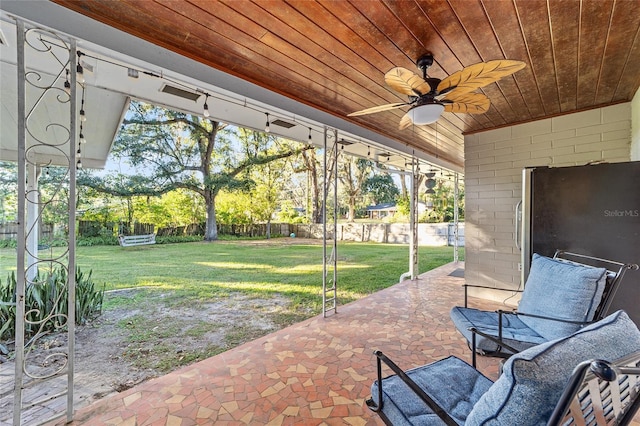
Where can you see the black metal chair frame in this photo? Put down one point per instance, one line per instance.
(620, 378)
(439, 411)
(577, 393)
(615, 273)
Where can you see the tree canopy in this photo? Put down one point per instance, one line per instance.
(176, 169)
(168, 150)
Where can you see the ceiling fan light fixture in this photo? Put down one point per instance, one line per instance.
(426, 114)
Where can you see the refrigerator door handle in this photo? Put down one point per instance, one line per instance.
(518, 223)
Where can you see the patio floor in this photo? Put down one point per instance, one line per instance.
(317, 372)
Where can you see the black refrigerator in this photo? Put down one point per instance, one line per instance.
(592, 210)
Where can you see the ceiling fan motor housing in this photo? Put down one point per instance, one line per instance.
(425, 61)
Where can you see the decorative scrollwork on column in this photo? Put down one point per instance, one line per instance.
(48, 136)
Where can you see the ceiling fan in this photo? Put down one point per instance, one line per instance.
(429, 96)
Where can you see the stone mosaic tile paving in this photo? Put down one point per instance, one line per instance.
(317, 372)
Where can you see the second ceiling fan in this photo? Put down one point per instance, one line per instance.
(429, 96)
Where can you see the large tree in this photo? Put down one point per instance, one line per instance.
(312, 167)
(353, 173)
(269, 179)
(443, 200)
(168, 150)
(380, 188)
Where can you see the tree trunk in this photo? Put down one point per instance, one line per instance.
(403, 185)
(312, 169)
(317, 211)
(129, 216)
(211, 228)
(268, 229)
(352, 211)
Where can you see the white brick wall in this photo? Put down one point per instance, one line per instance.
(493, 181)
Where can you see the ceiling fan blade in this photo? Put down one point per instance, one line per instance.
(405, 122)
(478, 75)
(378, 108)
(469, 103)
(406, 82)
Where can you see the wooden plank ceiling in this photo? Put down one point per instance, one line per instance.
(333, 55)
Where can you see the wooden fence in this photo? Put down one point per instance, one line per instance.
(254, 230)
(193, 229)
(9, 231)
(90, 228)
(434, 234)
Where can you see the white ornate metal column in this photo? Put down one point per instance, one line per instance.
(456, 217)
(413, 220)
(46, 77)
(330, 263)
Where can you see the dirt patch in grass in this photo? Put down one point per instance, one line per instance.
(133, 342)
(154, 339)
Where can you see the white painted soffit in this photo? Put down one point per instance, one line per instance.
(233, 100)
(49, 111)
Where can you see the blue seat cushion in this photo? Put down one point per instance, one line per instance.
(451, 382)
(560, 289)
(514, 332)
(533, 380)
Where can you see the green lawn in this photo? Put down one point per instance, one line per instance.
(197, 272)
(193, 277)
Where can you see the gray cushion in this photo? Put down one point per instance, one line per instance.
(532, 381)
(452, 383)
(514, 332)
(563, 290)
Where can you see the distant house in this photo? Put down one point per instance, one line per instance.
(380, 211)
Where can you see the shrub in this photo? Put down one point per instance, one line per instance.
(170, 239)
(7, 243)
(102, 240)
(247, 238)
(46, 302)
(430, 216)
